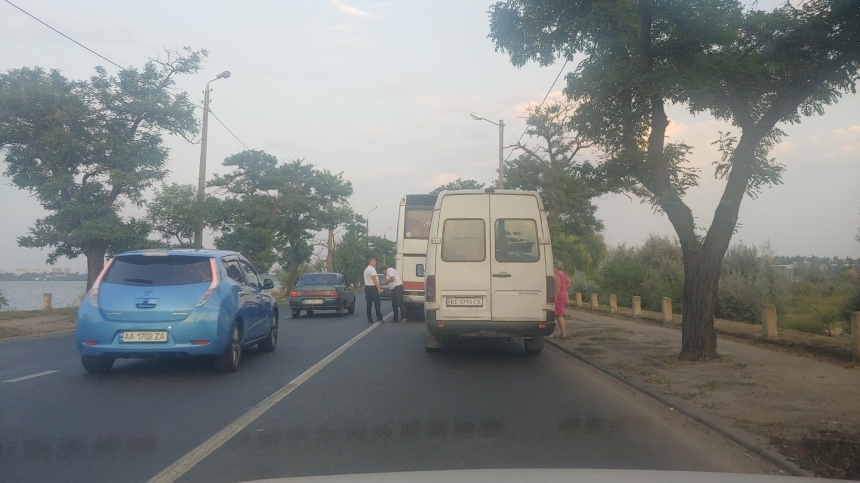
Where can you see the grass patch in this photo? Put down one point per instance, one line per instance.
(591, 351)
(607, 338)
(715, 385)
(829, 454)
(688, 395)
(668, 360)
(26, 314)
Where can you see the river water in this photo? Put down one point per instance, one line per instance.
(28, 295)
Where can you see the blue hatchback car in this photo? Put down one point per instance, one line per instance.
(170, 303)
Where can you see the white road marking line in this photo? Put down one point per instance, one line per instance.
(23, 378)
(196, 455)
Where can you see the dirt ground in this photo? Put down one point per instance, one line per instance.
(804, 407)
(31, 322)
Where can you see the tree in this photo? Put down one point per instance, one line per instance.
(459, 184)
(4, 302)
(87, 148)
(566, 186)
(271, 210)
(174, 212)
(755, 69)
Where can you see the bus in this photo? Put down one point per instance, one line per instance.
(413, 230)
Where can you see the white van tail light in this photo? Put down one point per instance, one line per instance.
(94, 291)
(430, 289)
(212, 285)
(550, 289)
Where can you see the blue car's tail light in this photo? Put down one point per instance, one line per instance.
(94, 292)
(212, 285)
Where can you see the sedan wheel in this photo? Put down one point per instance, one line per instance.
(97, 364)
(268, 344)
(229, 361)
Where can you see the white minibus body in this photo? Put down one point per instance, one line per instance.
(489, 268)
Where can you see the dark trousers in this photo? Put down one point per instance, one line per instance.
(397, 302)
(371, 294)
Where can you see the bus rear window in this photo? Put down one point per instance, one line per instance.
(417, 223)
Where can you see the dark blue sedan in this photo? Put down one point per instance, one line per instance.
(173, 303)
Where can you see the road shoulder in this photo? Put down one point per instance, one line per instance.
(792, 409)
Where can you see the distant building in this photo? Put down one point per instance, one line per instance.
(20, 271)
(61, 271)
(36, 270)
(3, 271)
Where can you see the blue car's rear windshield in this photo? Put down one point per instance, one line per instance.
(170, 270)
(318, 279)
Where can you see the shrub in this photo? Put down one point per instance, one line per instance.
(750, 279)
(652, 271)
(579, 282)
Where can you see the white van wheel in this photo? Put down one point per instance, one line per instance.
(534, 345)
(432, 343)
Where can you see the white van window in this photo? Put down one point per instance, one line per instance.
(464, 240)
(417, 223)
(516, 240)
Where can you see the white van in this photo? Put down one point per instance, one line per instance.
(489, 269)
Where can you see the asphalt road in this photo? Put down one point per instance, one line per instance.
(382, 405)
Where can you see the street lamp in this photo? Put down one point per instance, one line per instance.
(201, 180)
(385, 235)
(367, 229)
(501, 125)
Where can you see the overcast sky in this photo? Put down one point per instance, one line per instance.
(383, 92)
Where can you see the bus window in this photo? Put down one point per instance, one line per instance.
(417, 223)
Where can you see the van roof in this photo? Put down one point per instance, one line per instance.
(493, 192)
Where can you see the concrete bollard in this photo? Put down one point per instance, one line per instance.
(594, 304)
(768, 321)
(579, 300)
(613, 303)
(637, 306)
(46, 302)
(667, 310)
(855, 335)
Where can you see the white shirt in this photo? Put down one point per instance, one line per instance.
(369, 275)
(394, 283)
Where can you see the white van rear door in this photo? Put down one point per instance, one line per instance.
(463, 258)
(517, 265)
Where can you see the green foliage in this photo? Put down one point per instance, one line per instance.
(652, 271)
(4, 302)
(459, 184)
(750, 279)
(85, 148)
(174, 212)
(270, 211)
(354, 247)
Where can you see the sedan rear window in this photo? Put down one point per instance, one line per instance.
(158, 271)
(318, 279)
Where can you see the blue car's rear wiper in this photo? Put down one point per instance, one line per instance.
(139, 280)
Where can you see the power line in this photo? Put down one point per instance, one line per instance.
(198, 106)
(64, 35)
(541, 104)
(228, 129)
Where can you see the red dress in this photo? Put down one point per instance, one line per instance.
(561, 300)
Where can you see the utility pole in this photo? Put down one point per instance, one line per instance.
(201, 179)
(501, 154)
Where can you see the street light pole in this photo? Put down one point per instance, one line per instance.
(367, 229)
(201, 180)
(501, 125)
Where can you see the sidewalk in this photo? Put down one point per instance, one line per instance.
(805, 409)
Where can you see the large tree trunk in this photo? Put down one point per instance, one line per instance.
(701, 277)
(95, 263)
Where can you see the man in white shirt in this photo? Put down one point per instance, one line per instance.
(395, 284)
(372, 290)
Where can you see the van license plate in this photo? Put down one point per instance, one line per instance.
(465, 302)
(147, 336)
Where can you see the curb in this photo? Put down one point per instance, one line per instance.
(37, 336)
(763, 453)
